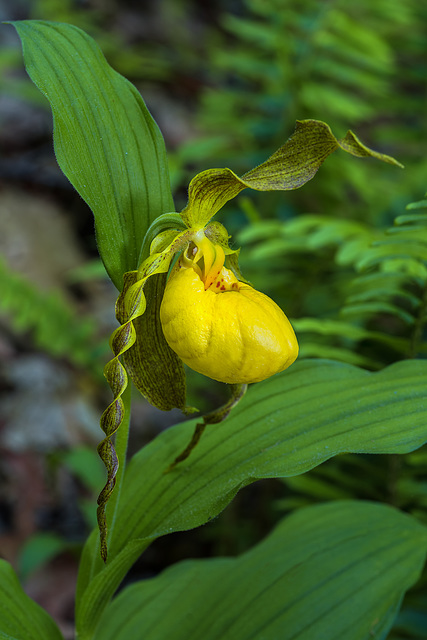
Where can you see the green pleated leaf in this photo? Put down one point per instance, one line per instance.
(106, 142)
(282, 427)
(20, 617)
(290, 167)
(335, 571)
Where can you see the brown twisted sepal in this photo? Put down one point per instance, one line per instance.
(155, 369)
(219, 415)
(122, 339)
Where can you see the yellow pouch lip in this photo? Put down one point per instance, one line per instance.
(235, 336)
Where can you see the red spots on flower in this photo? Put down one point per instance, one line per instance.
(224, 281)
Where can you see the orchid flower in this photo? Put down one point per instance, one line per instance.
(201, 312)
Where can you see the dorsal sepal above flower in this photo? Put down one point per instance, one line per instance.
(208, 192)
(290, 167)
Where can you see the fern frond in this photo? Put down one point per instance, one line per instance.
(53, 322)
(395, 271)
(372, 309)
(341, 61)
(390, 293)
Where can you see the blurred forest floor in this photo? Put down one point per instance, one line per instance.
(225, 81)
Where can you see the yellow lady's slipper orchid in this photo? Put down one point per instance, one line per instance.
(219, 326)
(207, 318)
(235, 335)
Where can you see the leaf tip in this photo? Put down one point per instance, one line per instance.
(353, 145)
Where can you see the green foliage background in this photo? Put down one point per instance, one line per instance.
(238, 88)
(345, 257)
